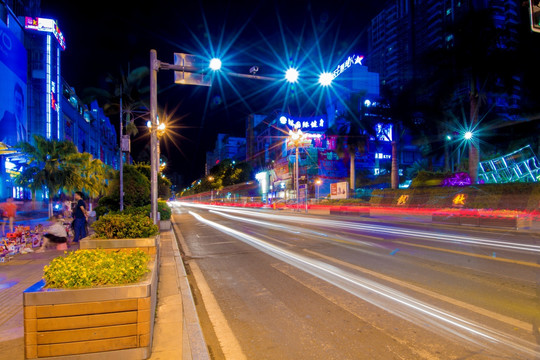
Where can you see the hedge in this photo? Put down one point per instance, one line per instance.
(514, 196)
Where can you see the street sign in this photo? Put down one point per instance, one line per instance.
(125, 143)
(191, 73)
(188, 78)
(189, 61)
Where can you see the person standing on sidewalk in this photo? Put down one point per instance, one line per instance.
(9, 209)
(80, 216)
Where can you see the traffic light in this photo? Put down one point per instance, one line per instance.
(534, 8)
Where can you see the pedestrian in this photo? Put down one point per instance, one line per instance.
(56, 234)
(80, 217)
(66, 207)
(9, 210)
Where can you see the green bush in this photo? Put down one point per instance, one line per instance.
(136, 191)
(163, 209)
(86, 268)
(124, 226)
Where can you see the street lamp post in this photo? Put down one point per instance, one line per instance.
(318, 183)
(154, 67)
(296, 137)
(211, 179)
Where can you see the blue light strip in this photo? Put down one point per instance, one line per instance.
(58, 94)
(48, 105)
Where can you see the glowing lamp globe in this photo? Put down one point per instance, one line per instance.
(291, 75)
(215, 64)
(325, 79)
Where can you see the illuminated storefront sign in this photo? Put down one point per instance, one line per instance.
(314, 123)
(351, 60)
(459, 199)
(403, 200)
(46, 25)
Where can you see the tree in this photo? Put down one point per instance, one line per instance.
(127, 88)
(52, 167)
(353, 132)
(94, 174)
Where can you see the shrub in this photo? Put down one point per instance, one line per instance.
(86, 268)
(124, 226)
(163, 209)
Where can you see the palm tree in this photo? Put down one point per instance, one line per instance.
(353, 132)
(51, 167)
(94, 174)
(124, 94)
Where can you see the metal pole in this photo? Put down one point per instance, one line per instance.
(121, 156)
(154, 67)
(296, 181)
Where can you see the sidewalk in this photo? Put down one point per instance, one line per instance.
(177, 333)
(15, 276)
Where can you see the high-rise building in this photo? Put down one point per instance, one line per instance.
(403, 33)
(35, 99)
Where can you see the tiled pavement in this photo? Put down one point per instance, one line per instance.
(15, 276)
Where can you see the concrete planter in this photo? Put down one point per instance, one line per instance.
(481, 221)
(505, 222)
(149, 245)
(109, 322)
(164, 225)
(350, 211)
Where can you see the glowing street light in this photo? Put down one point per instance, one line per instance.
(215, 64)
(291, 75)
(326, 78)
(318, 182)
(468, 135)
(296, 139)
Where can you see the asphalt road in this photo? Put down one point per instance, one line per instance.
(275, 285)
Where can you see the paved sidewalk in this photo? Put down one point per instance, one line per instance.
(15, 276)
(177, 333)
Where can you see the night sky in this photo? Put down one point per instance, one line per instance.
(106, 36)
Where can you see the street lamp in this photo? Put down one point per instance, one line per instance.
(326, 78)
(318, 182)
(211, 179)
(296, 138)
(291, 75)
(215, 64)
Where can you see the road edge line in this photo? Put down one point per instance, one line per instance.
(198, 349)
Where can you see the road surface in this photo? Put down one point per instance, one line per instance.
(282, 285)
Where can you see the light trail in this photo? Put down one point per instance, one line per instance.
(384, 297)
(381, 229)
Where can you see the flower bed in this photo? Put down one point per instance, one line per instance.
(90, 322)
(86, 268)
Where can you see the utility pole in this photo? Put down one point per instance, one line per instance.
(154, 67)
(121, 155)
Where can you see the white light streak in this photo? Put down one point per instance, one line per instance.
(382, 296)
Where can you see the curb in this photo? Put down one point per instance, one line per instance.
(194, 344)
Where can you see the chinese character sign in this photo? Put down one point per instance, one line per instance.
(306, 124)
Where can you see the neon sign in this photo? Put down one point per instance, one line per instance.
(403, 200)
(46, 25)
(459, 199)
(351, 60)
(314, 123)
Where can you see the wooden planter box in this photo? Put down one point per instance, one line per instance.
(109, 322)
(148, 245)
(164, 225)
